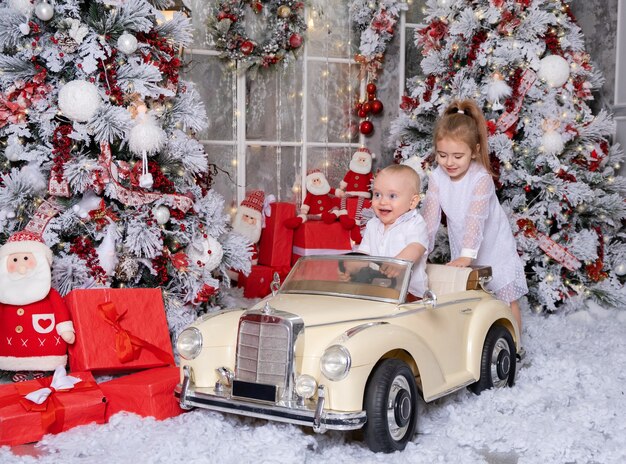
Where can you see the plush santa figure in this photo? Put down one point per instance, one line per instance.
(35, 325)
(249, 219)
(357, 183)
(319, 204)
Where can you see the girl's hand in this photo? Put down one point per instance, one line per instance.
(460, 262)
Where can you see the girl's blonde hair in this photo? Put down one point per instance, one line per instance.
(463, 121)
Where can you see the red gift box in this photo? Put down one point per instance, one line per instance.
(146, 393)
(22, 421)
(276, 239)
(319, 238)
(257, 283)
(119, 329)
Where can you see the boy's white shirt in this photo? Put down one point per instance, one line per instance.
(408, 228)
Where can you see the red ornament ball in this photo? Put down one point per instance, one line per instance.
(371, 88)
(362, 113)
(527, 188)
(376, 106)
(366, 128)
(371, 96)
(367, 107)
(295, 40)
(247, 47)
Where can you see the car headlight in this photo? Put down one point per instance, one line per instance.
(189, 343)
(306, 386)
(335, 362)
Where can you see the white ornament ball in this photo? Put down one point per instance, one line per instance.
(554, 69)
(552, 142)
(79, 100)
(161, 214)
(24, 7)
(208, 251)
(127, 43)
(620, 269)
(44, 11)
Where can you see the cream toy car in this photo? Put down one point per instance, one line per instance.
(339, 353)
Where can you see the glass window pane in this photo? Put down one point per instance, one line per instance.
(333, 162)
(329, 30)
(274, 170)
(225, 182)
(217, 87)
(415, 14)
(332, 95)
(274, 105)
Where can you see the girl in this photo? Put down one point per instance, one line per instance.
(462, 187)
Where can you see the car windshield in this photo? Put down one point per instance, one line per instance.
(366, 277)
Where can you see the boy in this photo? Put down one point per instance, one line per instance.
(397, 230)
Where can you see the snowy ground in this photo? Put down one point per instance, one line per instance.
(568, 406)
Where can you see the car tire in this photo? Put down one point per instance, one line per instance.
(391, 406)
(497, 364)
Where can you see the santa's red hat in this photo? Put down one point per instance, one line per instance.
(313, 173)
(26, 241)
(252, 205)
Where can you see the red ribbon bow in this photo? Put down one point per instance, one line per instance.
(52, 409)
(128, 346)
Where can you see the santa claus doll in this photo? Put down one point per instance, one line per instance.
(35, 325)
(248, 220)
(319, 204)
(357, 183)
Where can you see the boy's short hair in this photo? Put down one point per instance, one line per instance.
(407, 170)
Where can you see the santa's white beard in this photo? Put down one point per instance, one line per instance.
(360, 168)
(321, 189)
(251, 231)
(22, 289)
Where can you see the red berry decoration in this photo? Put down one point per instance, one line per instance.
(376, 106)
(366, 128)
(371, 96)
(247, 47)
(371, 88)
(295, 41)
(527, 188)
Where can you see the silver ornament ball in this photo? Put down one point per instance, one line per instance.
(44, 11)
(127, 43)
(161, 214)
(620, 269)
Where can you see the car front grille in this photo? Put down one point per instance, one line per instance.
(263, 352)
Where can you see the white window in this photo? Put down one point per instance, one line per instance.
(265, 133)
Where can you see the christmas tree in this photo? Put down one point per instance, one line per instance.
(524, 62)
(99, 156)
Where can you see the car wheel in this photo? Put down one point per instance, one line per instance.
(497, 365)
(391, 406)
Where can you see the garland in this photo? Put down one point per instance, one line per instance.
(376, 21)
(285, 30)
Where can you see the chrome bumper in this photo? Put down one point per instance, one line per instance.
(317, 418)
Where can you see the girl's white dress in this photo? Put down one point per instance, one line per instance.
(478, 227)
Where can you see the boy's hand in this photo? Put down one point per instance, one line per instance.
(460, 262)
(344, 276)
(390, 270)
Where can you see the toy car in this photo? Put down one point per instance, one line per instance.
(334, 353)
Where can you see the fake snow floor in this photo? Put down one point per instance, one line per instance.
(568, 406)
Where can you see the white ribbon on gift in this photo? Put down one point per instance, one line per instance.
(60, 381)
(267, 207)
